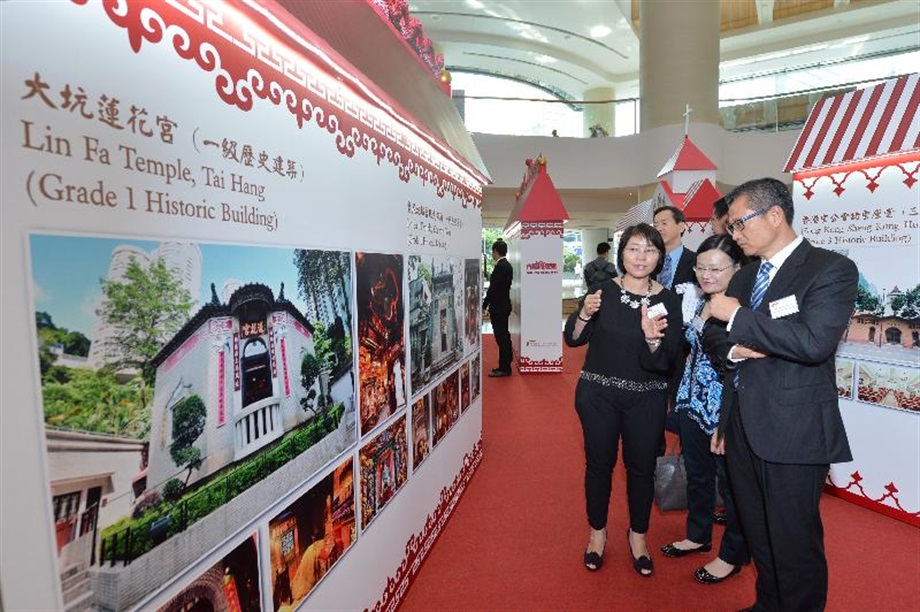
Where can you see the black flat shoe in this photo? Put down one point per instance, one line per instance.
(499, 373)
(720, 517)
(669, 550)
(643, 565)
(705, 577)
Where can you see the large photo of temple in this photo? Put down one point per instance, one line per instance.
(382, 346)
(436, 307)
(184, 386)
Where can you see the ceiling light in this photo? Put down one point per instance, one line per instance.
(475, 4)
(599, 31)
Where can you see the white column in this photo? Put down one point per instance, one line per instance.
(679, 61)
(602, 113)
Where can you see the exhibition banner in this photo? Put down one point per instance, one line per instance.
(208, 229)
(871, 215)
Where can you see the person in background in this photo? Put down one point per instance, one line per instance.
(601, 268)
(623, 388)
(677, 274)
(785, 317)
(677, 268)
(698, 405)
(498, 301)
(719, 217)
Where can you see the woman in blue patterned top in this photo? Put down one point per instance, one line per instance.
(698, 400)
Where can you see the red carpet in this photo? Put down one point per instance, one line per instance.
(516, 538)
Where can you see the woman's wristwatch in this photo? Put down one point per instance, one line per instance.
(581, 318)
(653, 343)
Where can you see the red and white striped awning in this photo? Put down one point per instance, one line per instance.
(863, 124)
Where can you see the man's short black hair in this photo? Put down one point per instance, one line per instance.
(603, 248)
(720, 208)
(500, 247)
(765, 193)
(679, 216)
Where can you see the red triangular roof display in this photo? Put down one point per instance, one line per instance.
(687, 157)
(699, 199)
(538, 199)
(676, 199)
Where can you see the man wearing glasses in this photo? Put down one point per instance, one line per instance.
(785, 317)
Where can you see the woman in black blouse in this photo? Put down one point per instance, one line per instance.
(623, 389)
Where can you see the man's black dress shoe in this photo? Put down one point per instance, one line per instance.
(672, 551)
(720, 517)
(705, 577)
(496, 373)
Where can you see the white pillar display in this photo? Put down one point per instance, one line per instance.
(856, 192)
(534, 235)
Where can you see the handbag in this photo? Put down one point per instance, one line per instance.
(671, 482)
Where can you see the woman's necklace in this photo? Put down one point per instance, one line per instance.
(634, 304)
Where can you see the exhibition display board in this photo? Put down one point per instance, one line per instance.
(856, 168)
(534, 235)
(241, 288)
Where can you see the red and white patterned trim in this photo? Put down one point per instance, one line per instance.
(908, 166)
(528, 366)
(549, 228)
(854, 492)
(419, 545)
(862, 124)
(253, 57)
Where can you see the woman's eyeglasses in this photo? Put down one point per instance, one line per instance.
(738, 224)
(702, 271)
(630, 250)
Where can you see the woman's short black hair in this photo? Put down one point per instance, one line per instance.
(649, 233)
(726, 244)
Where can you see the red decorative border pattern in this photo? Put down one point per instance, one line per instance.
(549, 228)
(871, 173)
(233, 41)
(855, 493)
(528, 365)
(419, 545)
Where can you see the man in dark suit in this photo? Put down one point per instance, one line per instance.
(785, 316)
(677, 269)
(498, 301)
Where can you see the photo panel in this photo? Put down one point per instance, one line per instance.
(230, 584)
(845, 369)
(384, 468)
(465, 398)
(446, 406)
(308, 537)
(475, 377)
(472, 325)
(888, 385)
(436, 306)
(209, 369)
(421, 430)
(381, 347)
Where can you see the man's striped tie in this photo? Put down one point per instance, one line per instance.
(760, 289)
(760, 284)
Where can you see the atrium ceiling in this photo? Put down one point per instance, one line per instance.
(570, 46)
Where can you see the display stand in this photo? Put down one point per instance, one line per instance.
(686, 181)
(241, 327)
(534, 235)
(856, 167)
